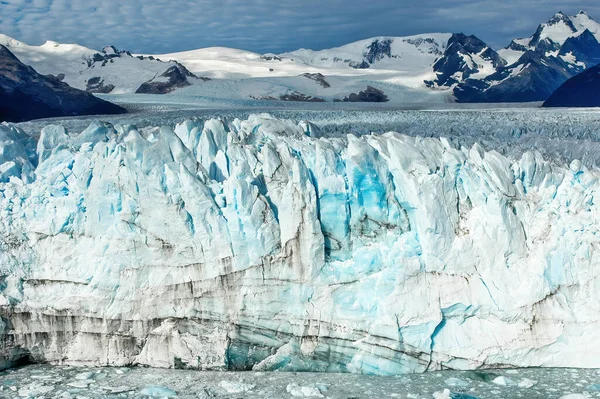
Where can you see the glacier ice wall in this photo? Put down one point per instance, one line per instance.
(257, 244)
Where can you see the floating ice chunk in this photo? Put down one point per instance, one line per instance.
(119, 389)
(504, 381)
(80, 384)
(303, 391)
(87, 375)
(34, 390)
(42, 377)
(235, 386)
(527, 383)
(575, 396)
(593, 387)
(158, 392)
(442, 395)
(122, 370)
(456, 382)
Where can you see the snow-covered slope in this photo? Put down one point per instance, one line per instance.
(107, 71)
(397, 66)
(228, 63)
(258, 244)
(316, 87)
(408, 54)
(51, 56)
(411, 54)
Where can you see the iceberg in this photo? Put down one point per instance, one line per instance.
(264, 244)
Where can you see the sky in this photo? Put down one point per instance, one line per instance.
(163, 26)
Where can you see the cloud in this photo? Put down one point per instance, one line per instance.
(158, 26)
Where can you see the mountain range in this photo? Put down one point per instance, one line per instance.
(437, 67)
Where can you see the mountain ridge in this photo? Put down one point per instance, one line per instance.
(26, 94)
(438, 67)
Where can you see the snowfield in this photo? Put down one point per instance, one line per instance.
(299, 241)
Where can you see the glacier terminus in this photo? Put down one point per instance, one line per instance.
(264, 244)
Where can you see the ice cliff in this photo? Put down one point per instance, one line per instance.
(258, 244)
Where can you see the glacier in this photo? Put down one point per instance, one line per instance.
(264, 244)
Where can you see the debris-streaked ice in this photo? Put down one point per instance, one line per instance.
(259, 244)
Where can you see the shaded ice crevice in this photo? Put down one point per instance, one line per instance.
(258, 243)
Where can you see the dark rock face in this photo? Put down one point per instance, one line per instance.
(537, 79)
(60, 76)
(176, 77)
(428, 40)
(293, 96)
(585, 48)
(270, 57)
(461, 47)
(360, 65)
(582, 90)
(317, 77)
(516, 46)
(108, 54)
(96, 85)
(377, 50)
(26, 95)
(297, 96)
(546, 45)
(369, 95)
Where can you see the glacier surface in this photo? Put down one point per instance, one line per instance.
(262, 244)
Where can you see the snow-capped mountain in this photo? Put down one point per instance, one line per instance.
(395, 66)
(106, 71)
(402, 68)
(465, 57)
(437, 67)
(429, 67)
(25, 94)
(550, 36)
(559, 49)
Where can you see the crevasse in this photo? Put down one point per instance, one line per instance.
(258, 244)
